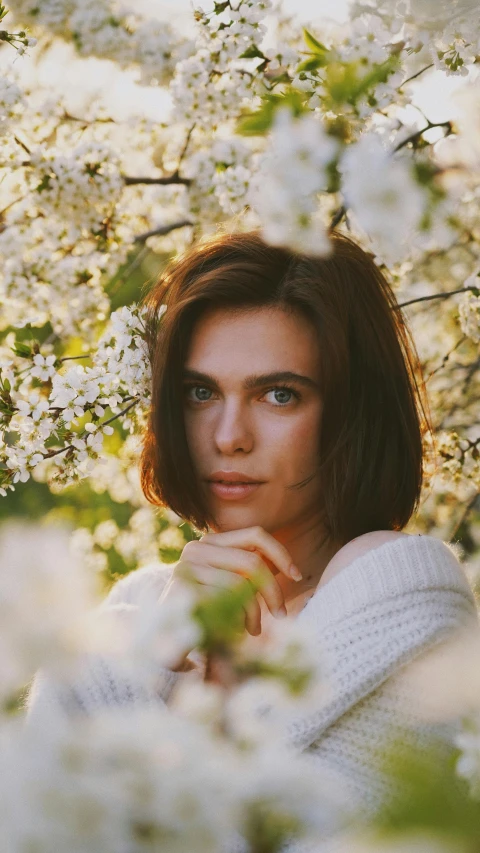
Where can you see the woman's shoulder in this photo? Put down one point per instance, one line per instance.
(140, 584)
(357, 548)
(391, 566)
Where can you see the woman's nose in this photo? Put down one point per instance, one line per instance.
(233, 429)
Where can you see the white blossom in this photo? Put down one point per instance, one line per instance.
(12, 103)
(44, 602)
(468, 764)
(116, 782)
(382, 193)
(285, 189)
(469, 313)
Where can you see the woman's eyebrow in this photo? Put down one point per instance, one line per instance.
(255, 381)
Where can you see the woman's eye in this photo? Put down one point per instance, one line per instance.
(281, 390)
(195, 388)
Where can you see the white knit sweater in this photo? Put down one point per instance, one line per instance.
(378, 613)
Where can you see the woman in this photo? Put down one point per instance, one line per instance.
(287, 425)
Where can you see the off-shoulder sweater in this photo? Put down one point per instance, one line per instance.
(380, 612)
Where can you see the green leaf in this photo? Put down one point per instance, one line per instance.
(6, 385)
(251, 52)
(255, 123)
(22, 350)
(44, 183)
(430, 795)
(221, 617)
(344, 84)
(311, 64)
(312, 43)
(260, 121)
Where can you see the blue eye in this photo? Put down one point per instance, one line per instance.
(191, 387)
(284, 389)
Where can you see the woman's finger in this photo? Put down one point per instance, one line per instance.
(249, 564)
(256, 538)
(223, 579)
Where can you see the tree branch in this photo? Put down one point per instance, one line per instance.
(163, 181)
(341, 212)
(68, 117)
(338, 216)
(184, 149)
(418, 133)
(463, 517)
(162, 230)
(22, 145)
(417, 74)
(436, 296)
(81, 435)
(445, 358)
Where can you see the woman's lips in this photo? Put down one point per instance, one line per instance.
(233, 491)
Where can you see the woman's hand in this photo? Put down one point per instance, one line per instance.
(220, 560)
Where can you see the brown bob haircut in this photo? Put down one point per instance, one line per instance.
(375, 410)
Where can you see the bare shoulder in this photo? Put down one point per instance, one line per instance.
(356, 547)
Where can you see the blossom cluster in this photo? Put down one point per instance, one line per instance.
(103, 29)
(120, 374)
(382, 193)
(469, 310)
(441, 32)
(64, 181)
(292, 173)
(11, 103)
(213, 84)
(220, 178)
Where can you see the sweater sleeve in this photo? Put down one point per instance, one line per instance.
(378, 613)
(103, 680)
(394, 605)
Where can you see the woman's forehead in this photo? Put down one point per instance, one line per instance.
(268, 318)
(260, 342)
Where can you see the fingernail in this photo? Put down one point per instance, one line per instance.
(282, 612)
(295, 573)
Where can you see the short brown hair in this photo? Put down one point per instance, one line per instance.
(375, 410)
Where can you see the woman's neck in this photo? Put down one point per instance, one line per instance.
(312, 566)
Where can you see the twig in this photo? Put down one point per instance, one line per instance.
(184, 149)
(72, 357)
(162, 230)
(418, 133)
(463, 516)
(68, 117)
(118, 279)
(436, 296)
(15, 201)
(132, 404)
(341, 212)
(165, 180)
(445, 358)
(22, 145)
(104, 423)
(338, 216)
(417, 74)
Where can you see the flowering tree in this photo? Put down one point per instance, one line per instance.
(300, 137)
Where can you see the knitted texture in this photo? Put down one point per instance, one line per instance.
(383, 610)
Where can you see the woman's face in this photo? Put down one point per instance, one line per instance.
(259, 430)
